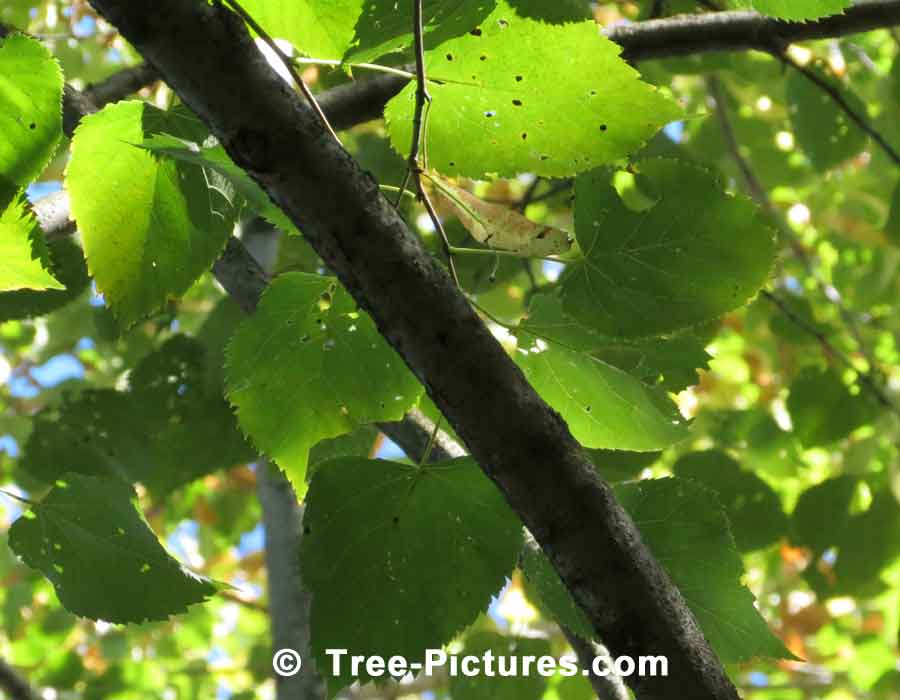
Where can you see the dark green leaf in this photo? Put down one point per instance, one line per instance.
(166, 431)
(518, 686)
(430, 544)
(695, 254)
(822, 408)
(822, 513)
(753, 508)
(88, 538)
(822, 128)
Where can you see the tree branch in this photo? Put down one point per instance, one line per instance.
(121, 84)
(206, 55)
(14, 685)
(739, 31)
(759, 193)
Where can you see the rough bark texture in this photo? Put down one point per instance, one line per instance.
(124, 82)
(14, 685)
(204, 52)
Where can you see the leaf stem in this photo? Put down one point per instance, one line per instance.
(426, 455)
(288, 64)
(302, 60)
(499, 251)
(20, 499)
(414, 167)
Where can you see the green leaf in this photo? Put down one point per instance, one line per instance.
(753, 508)
(604, 407)
(544, 587)
(90, 541)
(309, 366)
(518, 686)
(822, 513)
(66, 263)
(318, 28)
(167, 430)
(431, 544)
(149, 226)
(892, 227)
(621, 465)
(793, 9)
(23, 253)
(215, 158)
(687, 531)
(869, 543)
(31, 85)
(503, 88)
(670, 363)
(822, 129)
(555, 12)
(822, 408)
(692, 256)
(385, 26)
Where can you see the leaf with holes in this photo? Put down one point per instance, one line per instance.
(168, 429)
(604, 406)
(150, 226)
(105, 563)
(385, 26)
(794, 10)
(24, 258)
(295, 371)
(431, 544)
(319, 28)
(696, 253)
(501, 86)
(822, 128)
(497, 226)
(31, 86)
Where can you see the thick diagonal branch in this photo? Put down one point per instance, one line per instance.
(206, 55)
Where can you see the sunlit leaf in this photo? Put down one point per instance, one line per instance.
(31, 85)
(150, 226)
(308, 366)
(23, 254)
(501, 84)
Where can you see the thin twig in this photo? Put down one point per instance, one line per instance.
(14, 684)
(865, 379)
(414, 167)
(10, 494)
(286, 61)
(841, 101)
(758, 191)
